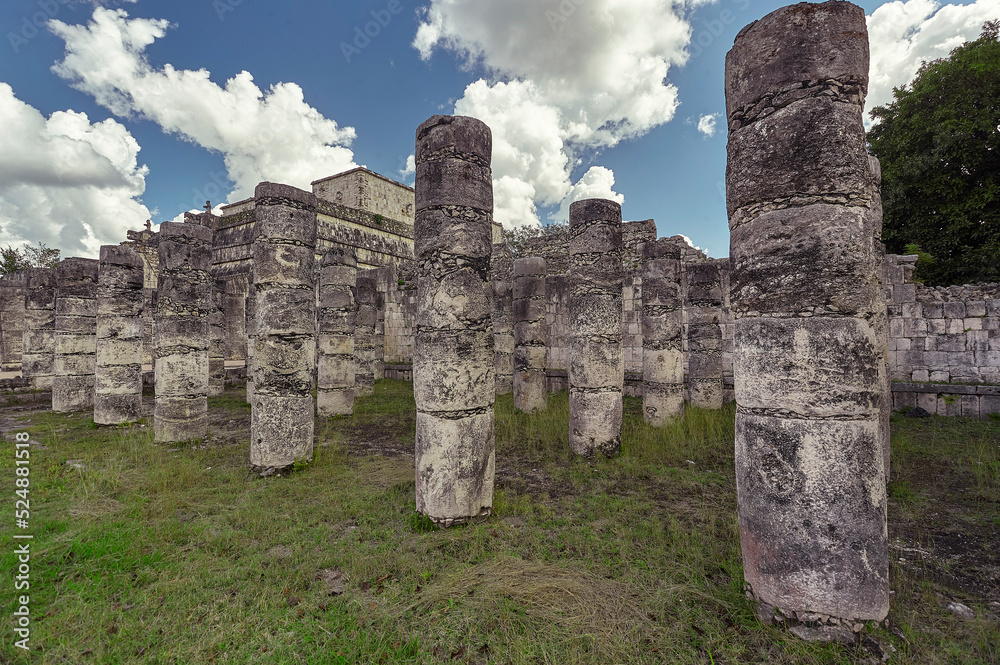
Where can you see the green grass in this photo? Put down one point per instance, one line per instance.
(157, 554)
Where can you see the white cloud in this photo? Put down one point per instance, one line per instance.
(566, 77)
(410, 168)
(66, 182)
(597, 183)
(706, 124)
(906, 33)
(273, 135)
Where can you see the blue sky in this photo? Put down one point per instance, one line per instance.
(112, 112)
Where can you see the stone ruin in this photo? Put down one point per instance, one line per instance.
(809, 348)
(363, 278)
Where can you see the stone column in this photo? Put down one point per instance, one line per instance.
(880, 321)
(808, 362)
(454, 380)
(180, 334)
(120, 300)
(703, 306)
(282, 421)
(76, 335)
(13, 288)
(38, 352)
(662, 330)
(217, 340)
(596, 363)
(530, 389)
(250, 316)
(501, 275)
(337, 317)
(364, 334)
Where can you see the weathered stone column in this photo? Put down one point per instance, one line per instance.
(282, 421)
(703, 306)
(501, 276)
(337, 319)
(180, 334)
(807, 357)
(38, 352)
(217, 340)
(454, 380)
(364, 334)
(120, 300)
(596, 364)
(13, 288)
(251, 318)
(880, 320)
(76, 335)
(662, 330)
(530, 389)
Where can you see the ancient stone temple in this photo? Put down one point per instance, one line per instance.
(282, 420)
(217, 340)
(530, 383)
(38, 352)
(76, 335)
(453, 364)
(596, 363)
(118, 387)
(805, 292)
(335, 346)
(13, 288)
(662, 332)
(181, 333)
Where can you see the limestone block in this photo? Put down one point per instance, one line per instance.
(814, 500)
(782, 267)
(178, 418)
(595, 422)
(75, 344)
(282, 430)
(458, 370)
(455, 484)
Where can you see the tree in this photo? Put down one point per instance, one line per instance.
(13, 259)
(519, 239)
(939, 146)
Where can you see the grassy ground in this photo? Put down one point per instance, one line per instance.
(177, 555)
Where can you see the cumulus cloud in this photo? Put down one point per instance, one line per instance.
(565, 78)
(906, 33)
(273, 135)
(706, 124)
(65, 181)
(410, 168)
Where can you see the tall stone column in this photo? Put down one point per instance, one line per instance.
(454, 380)
(597, 363)
(807, 357)
(38, 352)
(501, 276)
(530, 388)
(76, 335)
(703, 306)
(217, 340)
(364, 334)
(880, 320)
(180, 334)
(13, 288)
(120, 300)
(251, 318)
(662, 331)
(282, 420)
(337, 317)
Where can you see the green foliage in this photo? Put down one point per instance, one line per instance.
(519, 238)
(13, 259)
(939, 146)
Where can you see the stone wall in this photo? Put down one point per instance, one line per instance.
(941, 334)
(13, 288)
